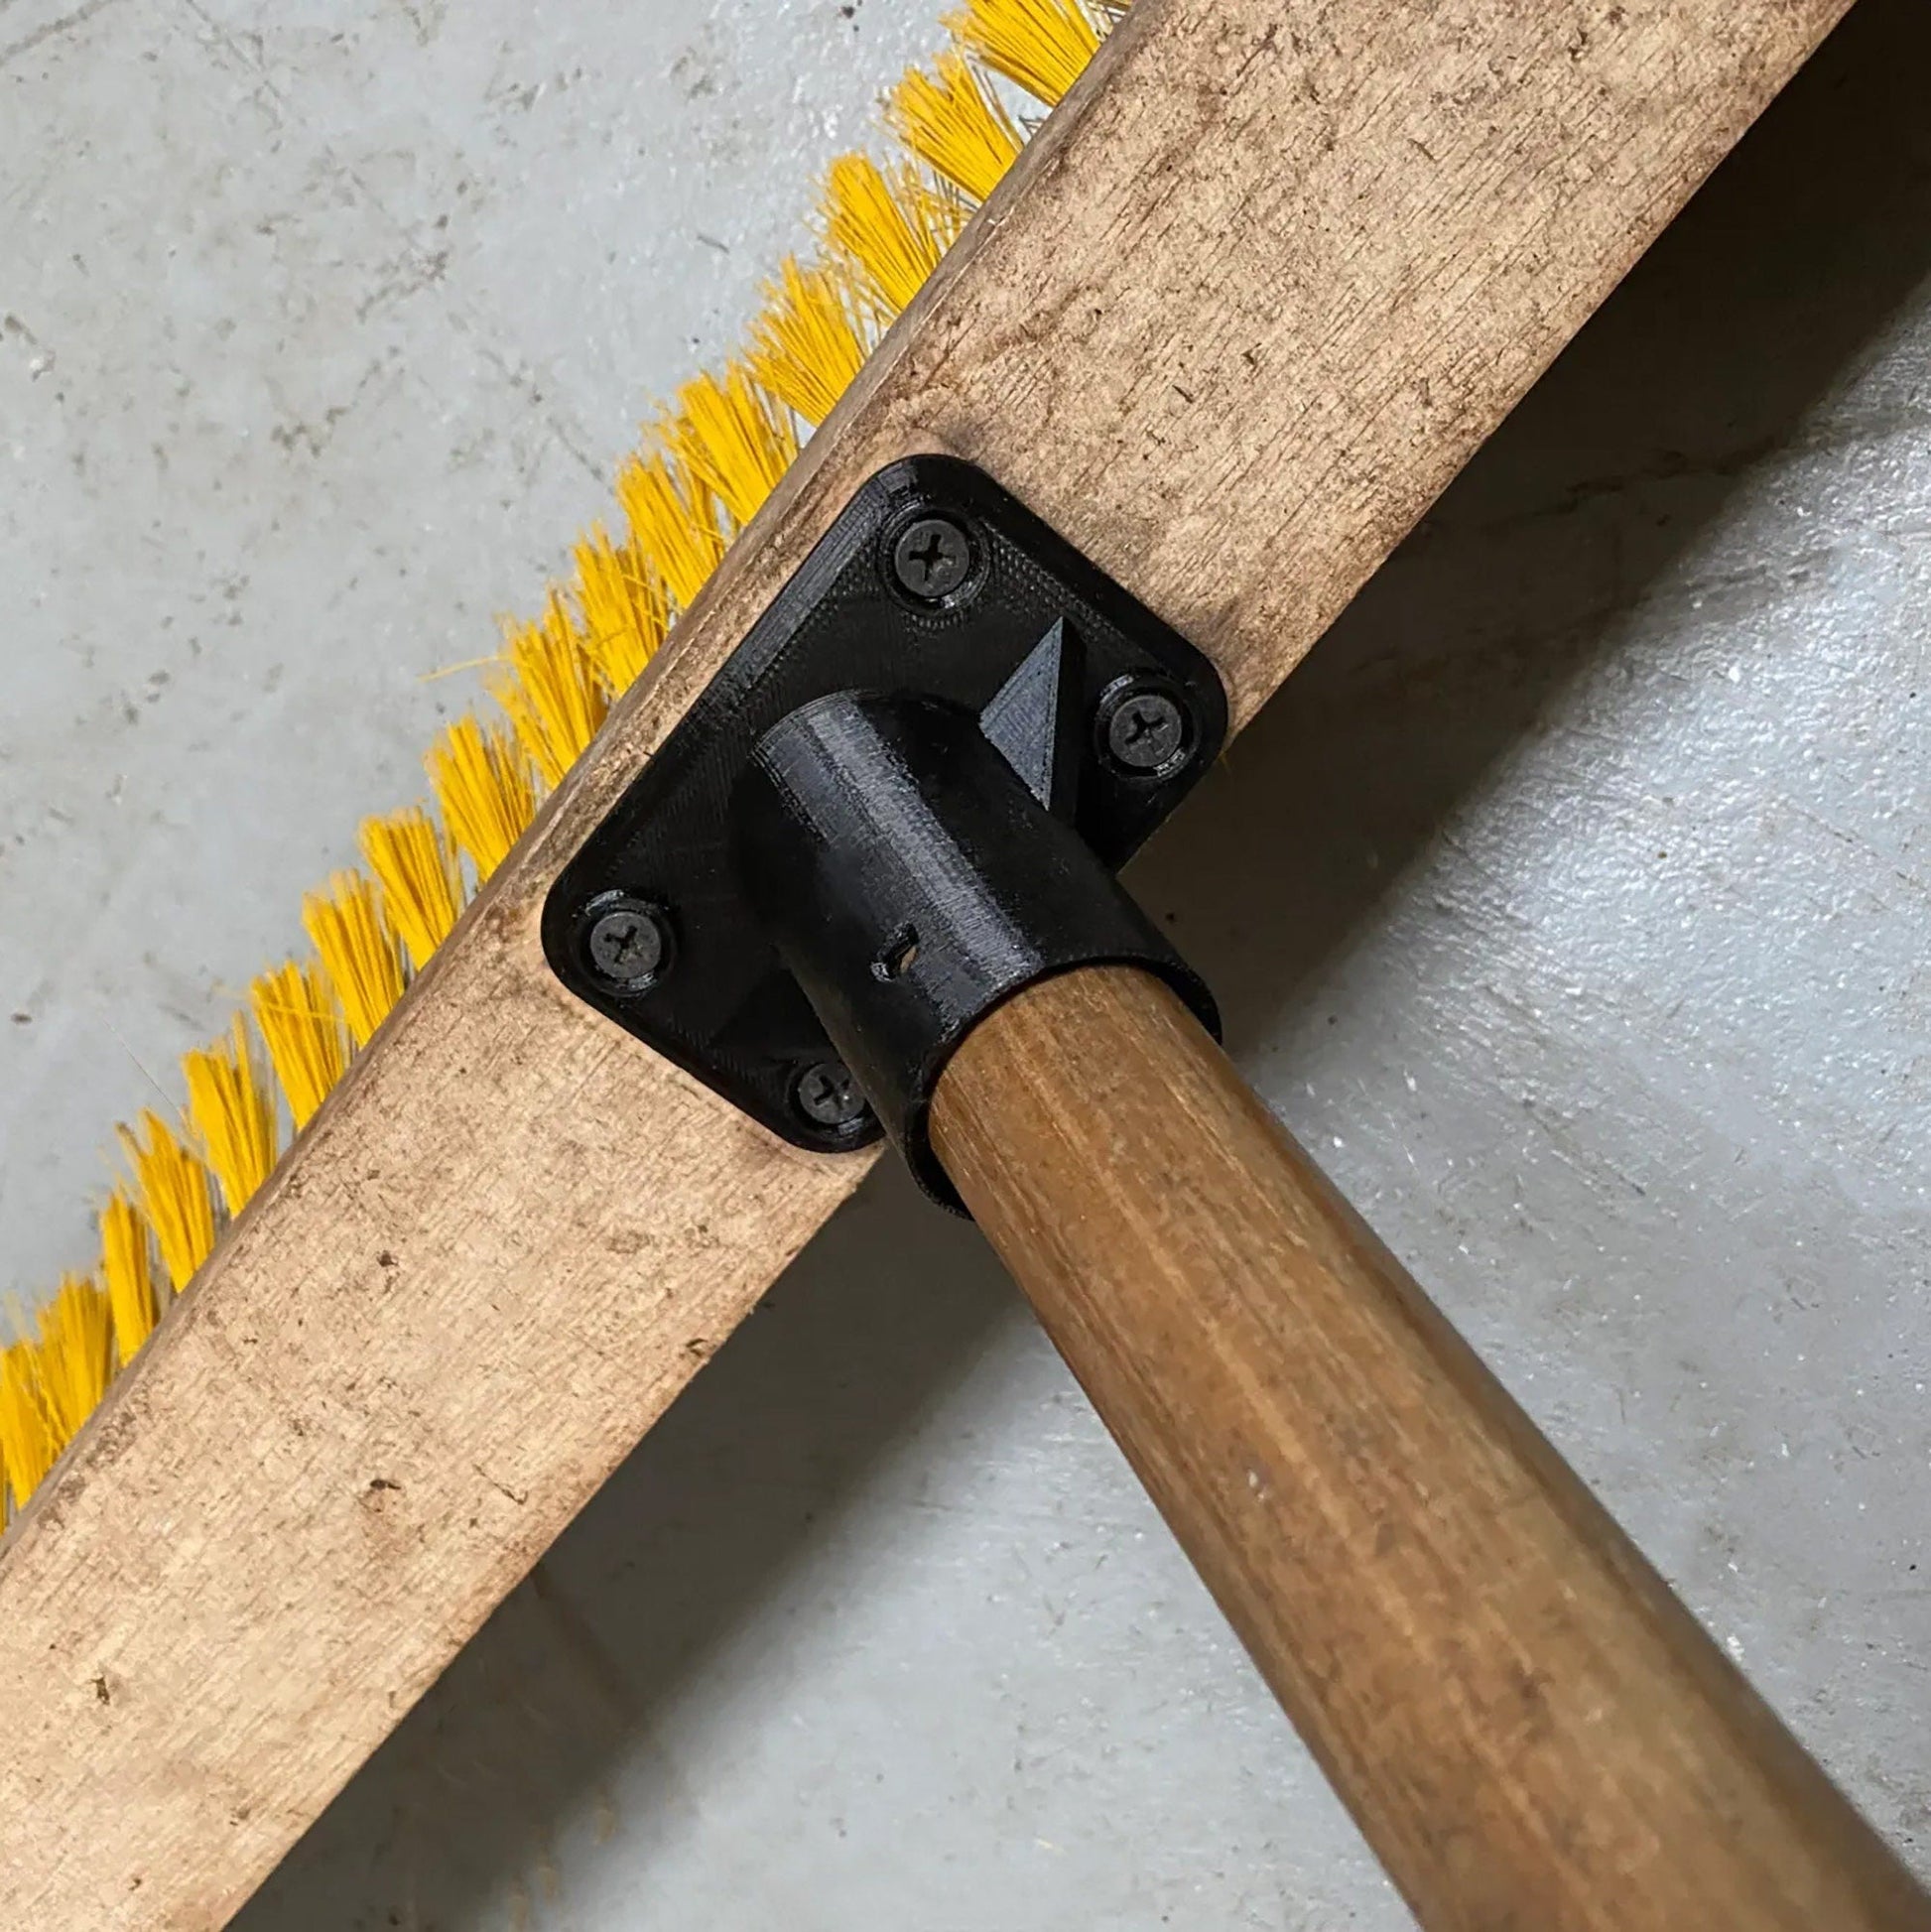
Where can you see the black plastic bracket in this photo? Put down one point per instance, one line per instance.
(1006, 726)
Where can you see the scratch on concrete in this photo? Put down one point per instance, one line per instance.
(51, 31)
(503, 361)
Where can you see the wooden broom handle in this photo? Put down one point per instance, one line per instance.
(1530, 1728)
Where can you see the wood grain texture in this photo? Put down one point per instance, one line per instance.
(1528, 1727)
(1250, 299)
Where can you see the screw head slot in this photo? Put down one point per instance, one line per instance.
(828, 1097)
(932, 558)
(628, 942)
(1144, 730)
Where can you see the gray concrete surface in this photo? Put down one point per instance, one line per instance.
(1572, 903)
(321, 330)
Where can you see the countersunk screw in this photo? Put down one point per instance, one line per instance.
(1144, 730)
(931, 557)
(628, 942)
(828, 1095)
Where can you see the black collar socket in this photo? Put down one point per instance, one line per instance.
(910, 882)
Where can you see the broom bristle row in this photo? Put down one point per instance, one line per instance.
(127, 1270)
(732, 439)
(550, 691)
(358, 949)
(484, 789)
(956, 124)
(811, 339)
(177, 1195)
(890, 226)
(1042, 45)
(232, 1110)
(622, 606)
(704, 469)
(420, 878)
(300, 1020)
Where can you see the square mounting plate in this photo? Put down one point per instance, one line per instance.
(716, 998)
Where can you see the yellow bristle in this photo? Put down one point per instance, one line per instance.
(672, 522)
(703, 471)
(732, 439)
(550, 691)
(127, 1270)
(481, 782)
(301, 1019)
(809, 343)
(29, 1437)
(623, 608)
(956, 124)
(232, 1110)
(176, 1196)
(892, 228)
(359, 951)
(77, 1356)
(421, 880)
(1042, 45)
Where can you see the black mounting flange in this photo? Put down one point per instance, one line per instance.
(934, 598)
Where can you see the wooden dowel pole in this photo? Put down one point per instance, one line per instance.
(1528, 1727)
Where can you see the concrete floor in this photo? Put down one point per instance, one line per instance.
(1571, 904)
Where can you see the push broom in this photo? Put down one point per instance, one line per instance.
(1249, 300)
